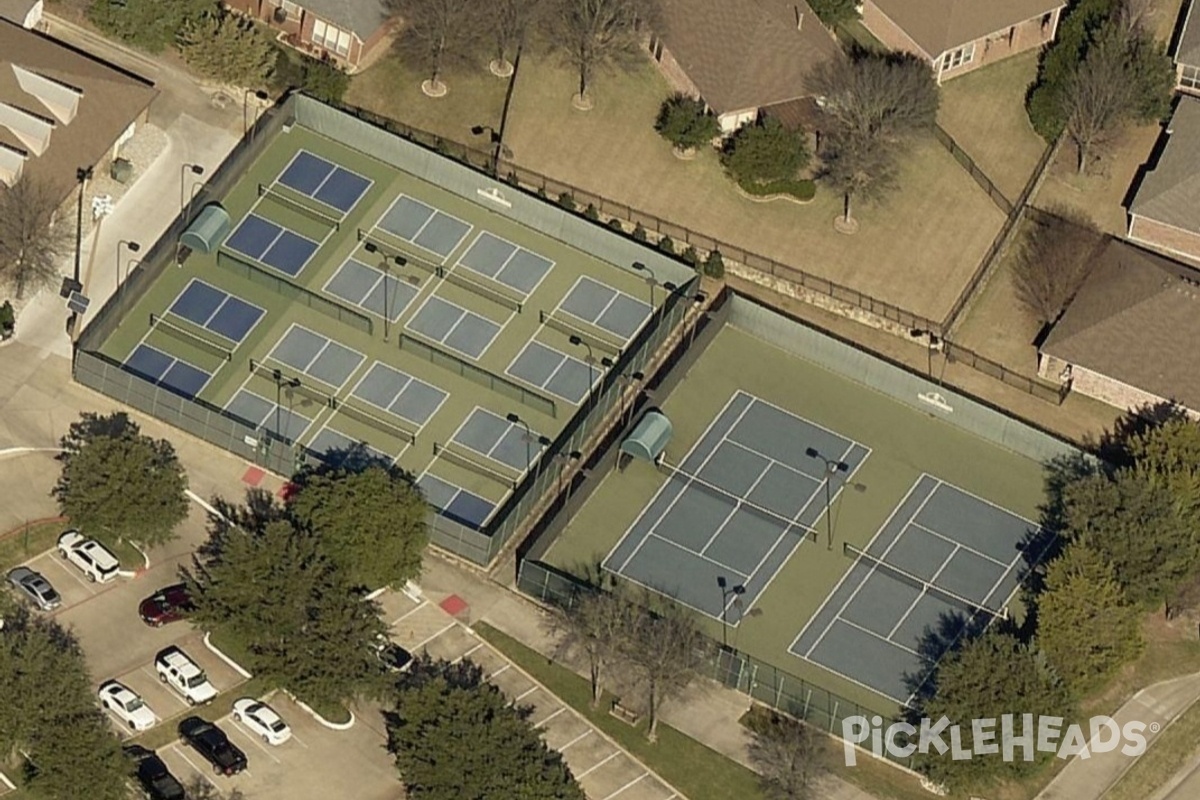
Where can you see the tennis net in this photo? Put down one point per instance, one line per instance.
(376, 422)
(500, 298)
(290, 383)
(158, 322)
(550, 321)
(921, 585)
(468, 463)
(391, 250)
(695, 481)
(295, 205)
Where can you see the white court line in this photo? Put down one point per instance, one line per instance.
(553, 714)
(818, 425)
(599, 373)
(880, 637)
(509, 426)
(638, 779)
(429, 639)
(737, 505)
(313, 196)
(959, 545)
(597, 766)
(577, 739)
(463, 314)
(693, 553)
(413, 610)
(594, 321)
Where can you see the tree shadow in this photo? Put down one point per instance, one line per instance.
(354, 459)
(951, 632)
(1114, 446)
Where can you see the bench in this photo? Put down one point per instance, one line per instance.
(626, 715)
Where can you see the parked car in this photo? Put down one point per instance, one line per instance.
(392, 656)
(156, 780)
(127, 706)
(211, 742)
(35, 588)
(92, 558)
(168, 604)
(176, 669)
(261, 720)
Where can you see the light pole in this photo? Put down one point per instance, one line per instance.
(931, 344)
(132, 247)
(516, 420)
(498, 148)
(591, 362)
(373, 248)
(651, 279)
(630, 379)
(83, 175)
(184, 169)
(727, 591)
(832, 468)
(291, 383)
(259, 94)
(564, 460)
(543, 443)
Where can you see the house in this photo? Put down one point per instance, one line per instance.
(62, 109)
(1165, 211)
(348, 33)
(740, 56)
(26, 13)
(957, 36)
(1128, 338)
(1187, 52)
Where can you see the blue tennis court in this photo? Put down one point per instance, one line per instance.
(415, 222)
(274, 245)
(606, 308)
(287, 421)
(562, 375)
(454, 326)
(216, 310)
(316, 356)
(324, 181)
(506, 263)
(455, 502)
(399, 393)
(368, 288)
(168, 371)
(499, 440)
(330, 440)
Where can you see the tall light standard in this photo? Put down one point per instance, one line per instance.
(591, 362)
(651, 279)
(832, 468)
(132, 247)
(291, 383)
(258, 94)
(697, 301)
(727, 591)
(516, 420)
(931, 343)
(195, 169)
(373, 248)
(498, 147)
(564, 462)
(629, 379)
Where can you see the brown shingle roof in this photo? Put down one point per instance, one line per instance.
(941, 25)
(16, 10)
(110, 100)
(1137, 320)
(744, 54)
(1187, 51)
(1170, 192)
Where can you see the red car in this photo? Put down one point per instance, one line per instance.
(166, 605)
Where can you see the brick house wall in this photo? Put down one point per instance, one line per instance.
(1099, 387)
(1164, 238)
(297, 30)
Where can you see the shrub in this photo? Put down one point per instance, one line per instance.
(288, 72)
(800, 189)
(764, 152)
(323, 81)
(151, 25)
(639, 233)
(227, 48)
(512, 179)
(8, 318)
(616, 225)
(567, 201)
(666, 245)
(592, 213)
(686, 122)
(714, 265)
(691, 256)
(831, 12)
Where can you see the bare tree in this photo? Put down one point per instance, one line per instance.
(1098, 96)
(789, 757)
(437, 30)
(597, 626)
(31, 245)
(665, 653)
(875, 104)
(599, 33)
(1052, 261)
(510, 22)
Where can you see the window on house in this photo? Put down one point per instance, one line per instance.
(291, 9)
(1189, 78)
(331, 38)
(956, 58)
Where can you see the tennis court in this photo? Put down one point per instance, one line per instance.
(316, 356)
(266, 242)
(607, 309)
(324, 181)
(164, 369)
(369, 288)
(458, 328)
(944, 561)
(562, 375)
(420, 224)
(504, 262)
(215, 310)
(736, 508)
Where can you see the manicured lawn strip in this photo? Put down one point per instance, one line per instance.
(695, 770)
(1167, 754)
(24, 544)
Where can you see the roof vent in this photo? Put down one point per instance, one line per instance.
(799, 18)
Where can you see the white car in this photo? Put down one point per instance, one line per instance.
(261, 720)
(92, 558)
(127, 706)
(176, 669)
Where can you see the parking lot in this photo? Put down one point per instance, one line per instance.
(605, 771)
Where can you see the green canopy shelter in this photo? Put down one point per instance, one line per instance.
(649, 437)
(208, 229)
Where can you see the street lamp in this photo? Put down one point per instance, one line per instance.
(651, 278)
(629, 379)
(259, 94)
(564, 461)
(132, 247)
(498, 149)
(516, 420)
(832, 468)
(291, 383)
(931, 344)
(591, 361)
(184, 169)
(83, 175)
(727, 591)
(543, 443)
(373, 248)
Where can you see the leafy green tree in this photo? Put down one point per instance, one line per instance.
(270, 584)
(764, 152)
(118, 484)
(1168, 455)
(455, 737)
(371, 522)
(151, 25)
(686, 122)
(832, 12)
(323, 81)
(227, 48)
(1085, 624)
(989, 677)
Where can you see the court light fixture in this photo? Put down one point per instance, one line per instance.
(832, 467)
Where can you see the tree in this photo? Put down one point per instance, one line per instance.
(455, 737)
(151, 25)
(227, 48)
(322, 80)
(665, 653)
(269, 583)
(875, 103)
(1097, 97)
(1053, 260)
(31, 245)
(371, 522)
(987, 678)
(789, 758)
(686, 122)
(1085, 624)
(764, 152)
(118, 483)
(1167, 454)
(595, 34)
(599, 625)
(435, 30)
(510, 22)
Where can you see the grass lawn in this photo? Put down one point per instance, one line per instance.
(1170, 751)
(24, 543)
(915, 250)
(985, 113)
(689, 766)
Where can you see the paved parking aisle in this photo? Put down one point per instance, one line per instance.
(605, 771)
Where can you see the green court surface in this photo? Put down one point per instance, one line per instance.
(904, 444)
(297, 406)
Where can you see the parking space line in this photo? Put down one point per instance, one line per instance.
(552, 716)
(526, 693)
(253, 740)
(597, 766)
(178, 750)
(413, 610)
(497, 672)
(563, 749)
(626, 786)
(155, 676)
(429, 639)
(467, 654)
(298, 740)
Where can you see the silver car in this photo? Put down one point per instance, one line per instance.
(35, 588)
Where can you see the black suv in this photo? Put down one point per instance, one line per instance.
(153, 774)
(211, 742)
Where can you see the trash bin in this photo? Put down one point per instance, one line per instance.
(121, 170)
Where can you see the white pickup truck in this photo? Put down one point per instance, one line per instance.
(176, 669)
